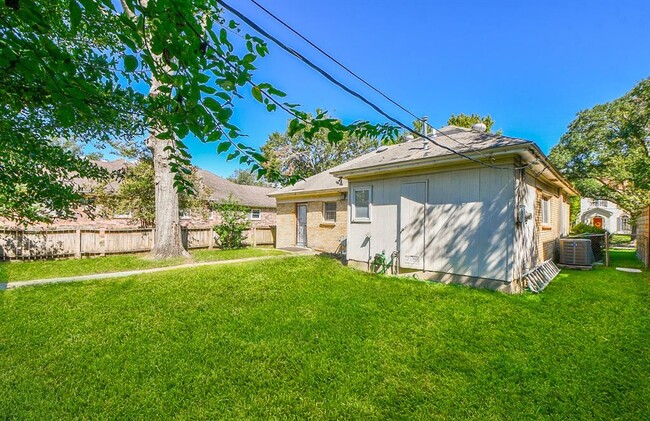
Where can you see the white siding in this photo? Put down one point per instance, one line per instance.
(469, 222)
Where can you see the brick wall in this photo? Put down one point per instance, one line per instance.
(321, 235)
(547, 234)
(326, 236)
(286, 225)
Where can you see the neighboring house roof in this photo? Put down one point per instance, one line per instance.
(88, 184)
(253, 196)
(246, 195)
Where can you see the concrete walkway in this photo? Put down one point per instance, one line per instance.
(18, 284)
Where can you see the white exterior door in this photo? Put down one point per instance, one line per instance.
(412, 223)
(301, 229)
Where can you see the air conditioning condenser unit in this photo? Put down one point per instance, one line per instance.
(576, 252)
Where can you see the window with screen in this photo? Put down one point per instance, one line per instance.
(329, 211)
(546, 211)
(256, 214)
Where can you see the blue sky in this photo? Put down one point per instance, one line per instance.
(532, 65)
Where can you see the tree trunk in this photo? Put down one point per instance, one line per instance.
(167, 239)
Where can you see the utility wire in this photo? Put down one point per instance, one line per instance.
(286, 25)
(375, 107)
(361, 79)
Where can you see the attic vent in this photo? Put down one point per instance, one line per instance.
(479, 127)
(381, 149)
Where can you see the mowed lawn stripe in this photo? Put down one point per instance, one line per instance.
(308, 337)
(46, 269)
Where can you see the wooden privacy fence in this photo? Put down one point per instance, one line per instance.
(16, 243)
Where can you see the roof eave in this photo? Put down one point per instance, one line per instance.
(566, 184)
(313, 192)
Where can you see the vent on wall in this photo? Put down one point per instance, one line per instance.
(576, 252)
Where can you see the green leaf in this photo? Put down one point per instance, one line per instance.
(75, 15)
(130, 63)
(212, 104)
(66, 115)
(224, 114)
(223, 147)
(257, 93)
(276, 92)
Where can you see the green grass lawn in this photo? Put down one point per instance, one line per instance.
(305, 337)
(617, 239)
(41, 269)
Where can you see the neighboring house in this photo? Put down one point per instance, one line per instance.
(262, 207)
(454, 219)
(604, 214)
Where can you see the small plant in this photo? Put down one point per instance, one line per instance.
(583, 228)
(234, 222)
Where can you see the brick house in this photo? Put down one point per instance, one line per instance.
(262, 207)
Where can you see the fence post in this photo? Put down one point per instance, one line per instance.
(210, 239)
(153, 238)
(254, 237)
(102, 241)
(606, 249)
(77, 249)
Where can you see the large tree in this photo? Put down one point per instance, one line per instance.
(56, 87)
(468, 120)
(247, 178)
(169, 65)
(606, 150)
(305, 153)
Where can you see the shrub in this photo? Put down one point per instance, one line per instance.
(583, 228)
(234, 221)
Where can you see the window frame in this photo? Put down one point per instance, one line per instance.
(185, 214)
(625, 223)
(354, 217)
(127, 215)
(325, 211)
(546, 219)
(259, 214)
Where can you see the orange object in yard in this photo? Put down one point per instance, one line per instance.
(598, 222)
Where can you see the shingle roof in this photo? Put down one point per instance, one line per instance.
(246, 195)
(402, 152)
(221, 188)
(466, 141)
(319, 182)
(87, 184)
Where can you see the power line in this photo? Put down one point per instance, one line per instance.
(329, 77)
(347, 69)
(368, 84)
